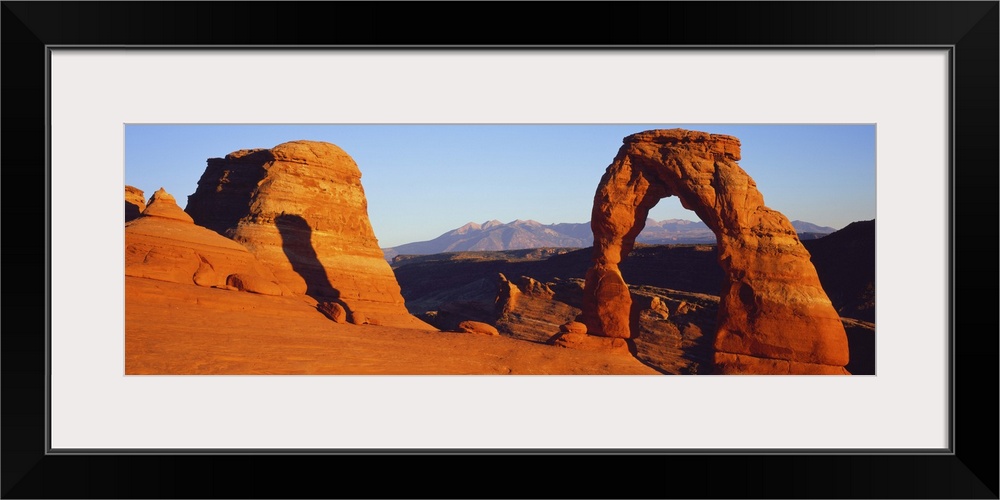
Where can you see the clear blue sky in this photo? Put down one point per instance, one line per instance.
(424, 180)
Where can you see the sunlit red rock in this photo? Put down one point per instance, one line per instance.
(300, 208)
(774, 316)
(334, 311)
(478, 327)
(252, 283)
(164, 244)
(358, 318)
(584, 342)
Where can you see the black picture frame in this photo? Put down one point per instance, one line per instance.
(969, 28)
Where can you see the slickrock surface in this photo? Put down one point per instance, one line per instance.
(774, 316)
(301, 210)
(172, 328)
(135, 201)
(164, 244)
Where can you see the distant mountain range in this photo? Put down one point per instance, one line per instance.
(521, 234)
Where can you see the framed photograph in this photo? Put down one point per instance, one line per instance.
(920, 78)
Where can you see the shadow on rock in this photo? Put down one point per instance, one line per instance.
(296, 242)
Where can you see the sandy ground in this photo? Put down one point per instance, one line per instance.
(185, 329)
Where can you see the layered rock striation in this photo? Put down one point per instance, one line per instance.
(164, 244)
(774, 316)
(527, 309)
(300, 208)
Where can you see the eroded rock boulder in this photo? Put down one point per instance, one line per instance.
(573, 327)
(301, 210)
(334, 311)
(359, 318)
(478, 327)
(774, 316)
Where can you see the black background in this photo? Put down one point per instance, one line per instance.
(971, 472)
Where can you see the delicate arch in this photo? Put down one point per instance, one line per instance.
(774, 316)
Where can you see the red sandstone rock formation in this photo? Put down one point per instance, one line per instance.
(253, 283)
(774, 316)
(359, 318)
(573, 327)
(525, 309)
(135, 201)
(300, 208)
(334, 311)
(478, 327)
(165, 244)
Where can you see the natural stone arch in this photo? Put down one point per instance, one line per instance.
(774, 316)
